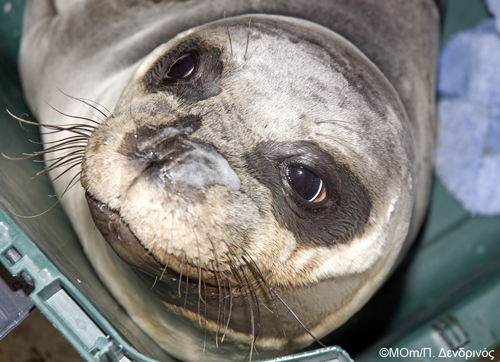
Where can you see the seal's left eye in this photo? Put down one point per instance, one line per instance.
(306, 183)
(182, 68)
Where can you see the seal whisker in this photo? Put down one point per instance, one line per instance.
(250, 309)
(186, 294)
(180, 276)
(67, 140)
(271, 289)
(165, 268)
(69, 129)
(55, 128)
(228, 34)
(214, 253)
(270, 294)
(220, 305)
(58, 148)
(244, 288)
(86, 101)
(257, 302)
(222, 297)
(74, 117)
(199, 269)
(76, 151)
(205, 315)
(61, 161)
(69, 168)
(68, 126)
(154, 283)
(199, 295)
(70, 185)
(248, 39)
(226, 279)
(230, 306)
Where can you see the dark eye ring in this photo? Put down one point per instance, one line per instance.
(306, 183)
(182, 68)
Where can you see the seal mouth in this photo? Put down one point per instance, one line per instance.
(219, 296)
(123, 241)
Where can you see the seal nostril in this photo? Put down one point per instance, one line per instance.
(151, 143)
(166, 155)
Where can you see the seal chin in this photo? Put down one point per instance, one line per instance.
(123, 241)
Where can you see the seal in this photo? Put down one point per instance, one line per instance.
(257, 168)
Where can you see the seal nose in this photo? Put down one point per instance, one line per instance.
(167, 156)
(151, 144)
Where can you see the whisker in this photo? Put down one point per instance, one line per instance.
(64, 140)
(249, 305)
(86, 101)
(271, 289)
(70, 185)
(57, 148)
(205, 315)
(272, 298)
(219, 287)
(248, 39)
(230, 310)
(229, 35)
(154, 283)
(256, 301)
(60, 162)
(247, 297)
(77, 151)
(219, 311)
(165, 269)
(65, 171)
(180, 277)
(186, 294)
(74, 117)
(199, 296)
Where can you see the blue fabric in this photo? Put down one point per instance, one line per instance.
(468, 148)
(494, 6)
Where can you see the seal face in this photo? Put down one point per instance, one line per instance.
(257, 172)
(252, 189)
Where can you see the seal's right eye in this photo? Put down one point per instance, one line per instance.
(182, 68)
(306, 183)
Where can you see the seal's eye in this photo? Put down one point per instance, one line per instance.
(306, 183)
(182, 68)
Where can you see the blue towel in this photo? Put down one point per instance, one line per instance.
(494, 6)
(468, 148)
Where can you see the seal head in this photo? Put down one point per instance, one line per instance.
(230, 170)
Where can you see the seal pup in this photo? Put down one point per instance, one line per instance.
(256, 168)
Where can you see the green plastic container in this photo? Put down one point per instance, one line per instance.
(445, 295)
